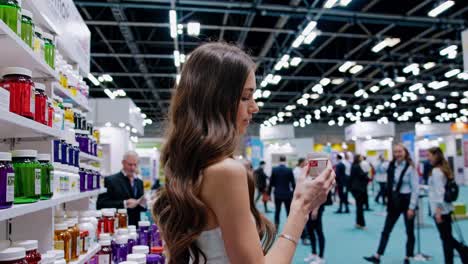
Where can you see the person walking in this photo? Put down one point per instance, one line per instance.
(366, 167)
(283, 183)
(358, 186)
(315, 231)
(342, 185)
(402, 195)
(381, 178)
(442, 210)
(261, 182)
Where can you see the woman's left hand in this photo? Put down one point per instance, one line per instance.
(410, 213)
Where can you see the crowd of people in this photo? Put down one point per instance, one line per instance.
(397, 186)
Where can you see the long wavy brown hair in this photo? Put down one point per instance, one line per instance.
(201, 131)
(441, 162)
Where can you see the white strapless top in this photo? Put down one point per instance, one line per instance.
(212, 244)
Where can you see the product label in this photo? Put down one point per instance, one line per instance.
(104, 259)
(59, 149)
(85, 181)
(52, 180)
(33, 100)
(10, 191)
(59, 245)
(46, 114)
(18, 27)
(64, 181)
(37, 189)
(95, 182)
(37, 45)
(87, 243)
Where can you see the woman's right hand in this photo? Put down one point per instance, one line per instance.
(311, 193)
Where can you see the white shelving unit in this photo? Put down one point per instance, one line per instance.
(16, 126)
(24, 209)
(16, 53)
(87, 157)
(36, 220)
(78, 101)
(84, 258)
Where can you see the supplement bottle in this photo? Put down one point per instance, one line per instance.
(121, 248)
(140, 250)
(49, 49)
(105, 254)
(7, 181)
(144, 237)
(121, 216)
(27, 27)
(27, 176)
(13, 255)
(109, 219)
(40, 104)
(32, 254)
(22, 93)
(138, 258)
(47, 176)
(62, 240)
(10, 11)
(75, 235)
(132, 241)
(38, 42)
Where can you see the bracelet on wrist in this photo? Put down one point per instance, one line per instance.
(289, 238)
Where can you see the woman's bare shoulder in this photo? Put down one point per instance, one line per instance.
(224, 176)
(225, 168)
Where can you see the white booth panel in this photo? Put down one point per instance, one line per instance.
(369, 129)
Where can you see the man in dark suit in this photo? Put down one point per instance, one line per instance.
(261, 182)
(125, 190)
(341, 182)
(282, 180)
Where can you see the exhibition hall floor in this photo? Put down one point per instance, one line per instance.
(345, 244)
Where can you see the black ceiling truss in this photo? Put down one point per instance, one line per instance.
(131, 42)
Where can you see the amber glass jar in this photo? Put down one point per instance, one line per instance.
(62, 240)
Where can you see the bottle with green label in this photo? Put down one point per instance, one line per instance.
(49, 49)
(10, 13)
(27, 176)
(47, 176)
(27, 27)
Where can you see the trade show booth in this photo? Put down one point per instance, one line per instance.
(452, 138)
(279, 140)
(372, 139)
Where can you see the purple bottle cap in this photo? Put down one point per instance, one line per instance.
(153, 258)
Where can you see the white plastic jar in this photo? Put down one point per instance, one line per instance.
(138, 258)
(87, 226)
(141, 250)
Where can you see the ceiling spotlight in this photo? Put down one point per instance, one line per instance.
(356, 68)
(346, 66)
(325, 81)
(193, 28)
(295, 61)
(429, 65)
(387, 42)
(452, 73)
(374, 88)
(442, 7)
(337, 81)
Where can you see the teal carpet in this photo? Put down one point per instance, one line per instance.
(345, 244)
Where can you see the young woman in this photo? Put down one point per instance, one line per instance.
(441, 210)
(358, 186)
(402, 199)
(204, 210)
